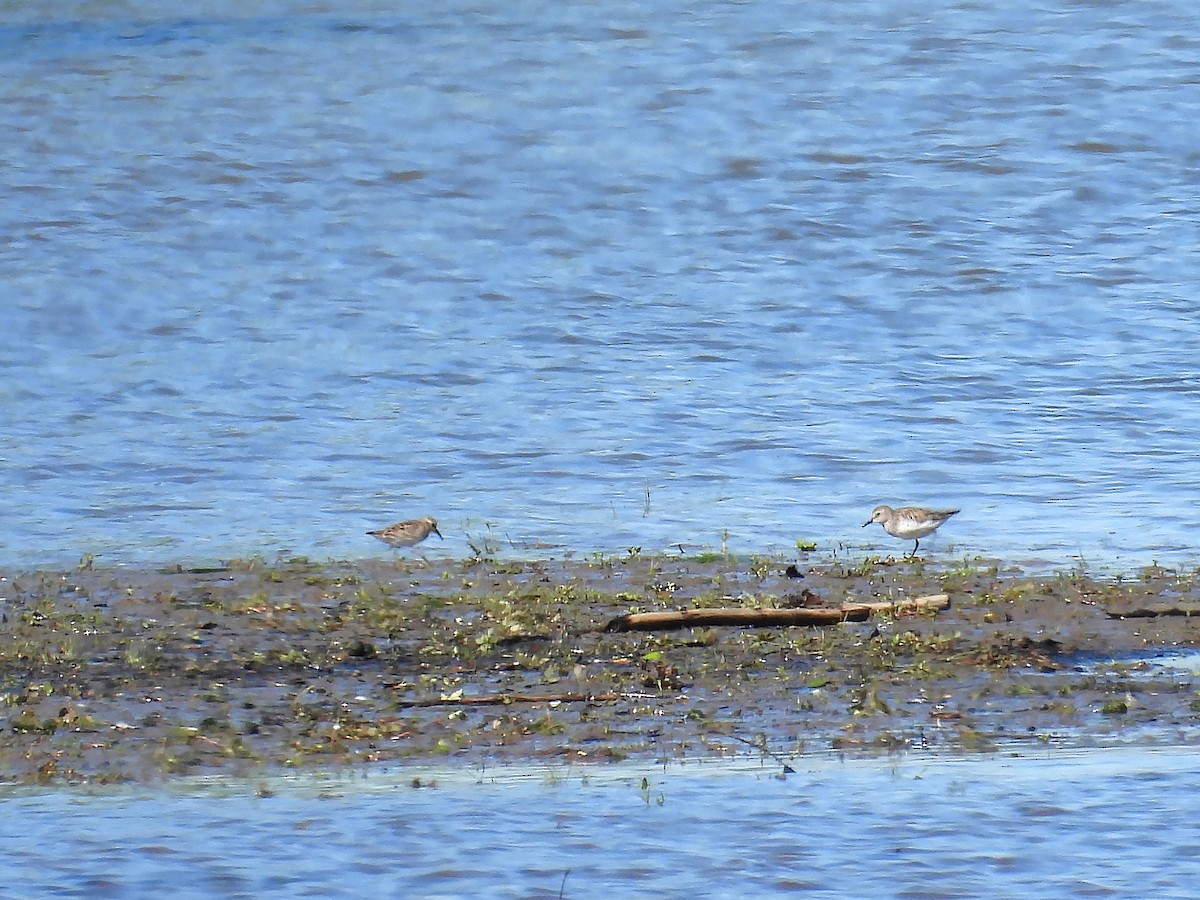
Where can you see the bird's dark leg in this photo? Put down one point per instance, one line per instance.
(916, 544)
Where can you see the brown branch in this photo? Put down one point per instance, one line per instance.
(1152, 612)
(758, 617)
(688, 618)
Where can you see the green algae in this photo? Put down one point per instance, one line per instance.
(112, 675)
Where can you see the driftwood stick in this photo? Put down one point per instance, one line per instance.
(757, 617)
(1151, 612)
(506, 699)
(688, 618)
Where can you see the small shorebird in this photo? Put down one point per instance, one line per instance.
(909, 522)
(405, 534)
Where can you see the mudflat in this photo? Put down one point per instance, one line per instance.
(259, 666)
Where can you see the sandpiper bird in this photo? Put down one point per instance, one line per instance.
(405, 534)
(909, 522)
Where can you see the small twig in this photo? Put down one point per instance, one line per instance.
(1151, 612)
(507, 699)
(762, 746)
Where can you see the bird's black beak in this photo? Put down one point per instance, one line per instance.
(865, 524)
(438, 533)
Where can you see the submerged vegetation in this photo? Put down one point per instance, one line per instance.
(110, 675)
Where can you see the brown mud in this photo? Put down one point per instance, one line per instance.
(267, 666)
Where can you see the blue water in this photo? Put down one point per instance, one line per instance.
(1112, 823)
(578, 277)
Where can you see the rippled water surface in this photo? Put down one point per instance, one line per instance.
(1069, 825)
(589, 276)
